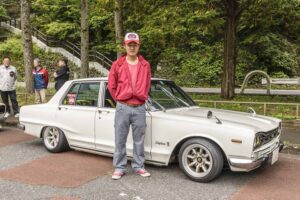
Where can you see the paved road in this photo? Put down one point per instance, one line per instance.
(28, 171)
(238, 91)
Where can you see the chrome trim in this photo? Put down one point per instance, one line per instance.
(248, 164)
(110, 154)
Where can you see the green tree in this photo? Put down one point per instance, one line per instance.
(3, 13)
(58, 18)
(233, 10)
(119, 24)
(270, 36)
(27, 44)
(84, 46)
(187, 38)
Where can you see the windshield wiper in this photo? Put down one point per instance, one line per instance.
(162, 108)
(173, 96)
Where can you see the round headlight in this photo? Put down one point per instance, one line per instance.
(257, 140)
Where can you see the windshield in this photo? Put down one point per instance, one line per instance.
(166, 95)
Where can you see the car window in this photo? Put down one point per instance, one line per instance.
(167, 95)
(71, 95)
(109, 102)
(83, 94)
(88, 94)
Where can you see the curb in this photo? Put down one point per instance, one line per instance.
(292, 156)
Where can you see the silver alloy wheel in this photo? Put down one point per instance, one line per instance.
(51, 137)
(197, 160)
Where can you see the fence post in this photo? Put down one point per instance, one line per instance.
(297, 111)
(265, 108)
(215, 104)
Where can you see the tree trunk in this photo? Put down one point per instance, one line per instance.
(119, 25)
(27, 44)
(84, 33)
(230, 49)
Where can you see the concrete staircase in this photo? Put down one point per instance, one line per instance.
(66, 48)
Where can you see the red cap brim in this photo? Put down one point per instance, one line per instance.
(132, 41)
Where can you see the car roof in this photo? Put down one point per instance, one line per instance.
(106, 79)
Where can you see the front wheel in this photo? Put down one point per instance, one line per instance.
(55, 140)
(200, 159)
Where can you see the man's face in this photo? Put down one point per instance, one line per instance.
(6, 62)
(61, 63)
(132, 48)
(35, 63)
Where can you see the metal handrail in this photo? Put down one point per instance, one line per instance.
(74, 49)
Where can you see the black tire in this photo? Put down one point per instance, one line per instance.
(210, 159)
(59, 145)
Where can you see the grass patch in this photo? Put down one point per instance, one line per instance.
(287, 112)
(249, 98)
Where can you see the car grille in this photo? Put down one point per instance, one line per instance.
(268, 136)
(2, 109)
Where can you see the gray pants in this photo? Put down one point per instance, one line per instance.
(124, 117)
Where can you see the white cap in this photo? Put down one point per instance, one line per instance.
(131, 37)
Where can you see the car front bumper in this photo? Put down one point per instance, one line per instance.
(248, 164)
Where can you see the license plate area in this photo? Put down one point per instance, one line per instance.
(275, 155)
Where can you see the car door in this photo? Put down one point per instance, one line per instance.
(104, 126)
(76, 114)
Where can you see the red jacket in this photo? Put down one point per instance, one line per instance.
(119, 81)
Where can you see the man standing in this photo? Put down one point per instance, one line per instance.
(8, 78)
(40, 76)
(62, 74)
(129, 83)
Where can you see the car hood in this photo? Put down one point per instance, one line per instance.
(243, 119)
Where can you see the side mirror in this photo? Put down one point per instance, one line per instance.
(252, 111)
(209, 114)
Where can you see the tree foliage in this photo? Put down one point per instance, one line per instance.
(3, 13)
(186, 38)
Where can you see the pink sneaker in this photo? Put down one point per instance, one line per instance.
(117, 175)
(143, 173)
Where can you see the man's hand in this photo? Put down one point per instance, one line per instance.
(55, 75)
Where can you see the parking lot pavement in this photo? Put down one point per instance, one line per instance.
(28, 171)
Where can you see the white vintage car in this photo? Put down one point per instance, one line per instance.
(203, 140)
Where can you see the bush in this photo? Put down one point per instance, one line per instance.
(13, 48)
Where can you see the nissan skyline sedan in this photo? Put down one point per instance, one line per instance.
(202, 140)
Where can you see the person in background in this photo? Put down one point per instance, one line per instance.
(62, 74)
(40, 76)
(8, 78)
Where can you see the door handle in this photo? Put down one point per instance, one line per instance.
(103, 111)
(59, 108)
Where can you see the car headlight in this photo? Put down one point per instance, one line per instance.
(257, 140)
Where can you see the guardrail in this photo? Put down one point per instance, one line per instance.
(262, 106)
(74, 49)
(282, 81)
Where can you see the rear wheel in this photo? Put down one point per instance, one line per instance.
(201, 160)
(55, 140)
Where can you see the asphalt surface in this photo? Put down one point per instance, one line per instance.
(17, 156)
